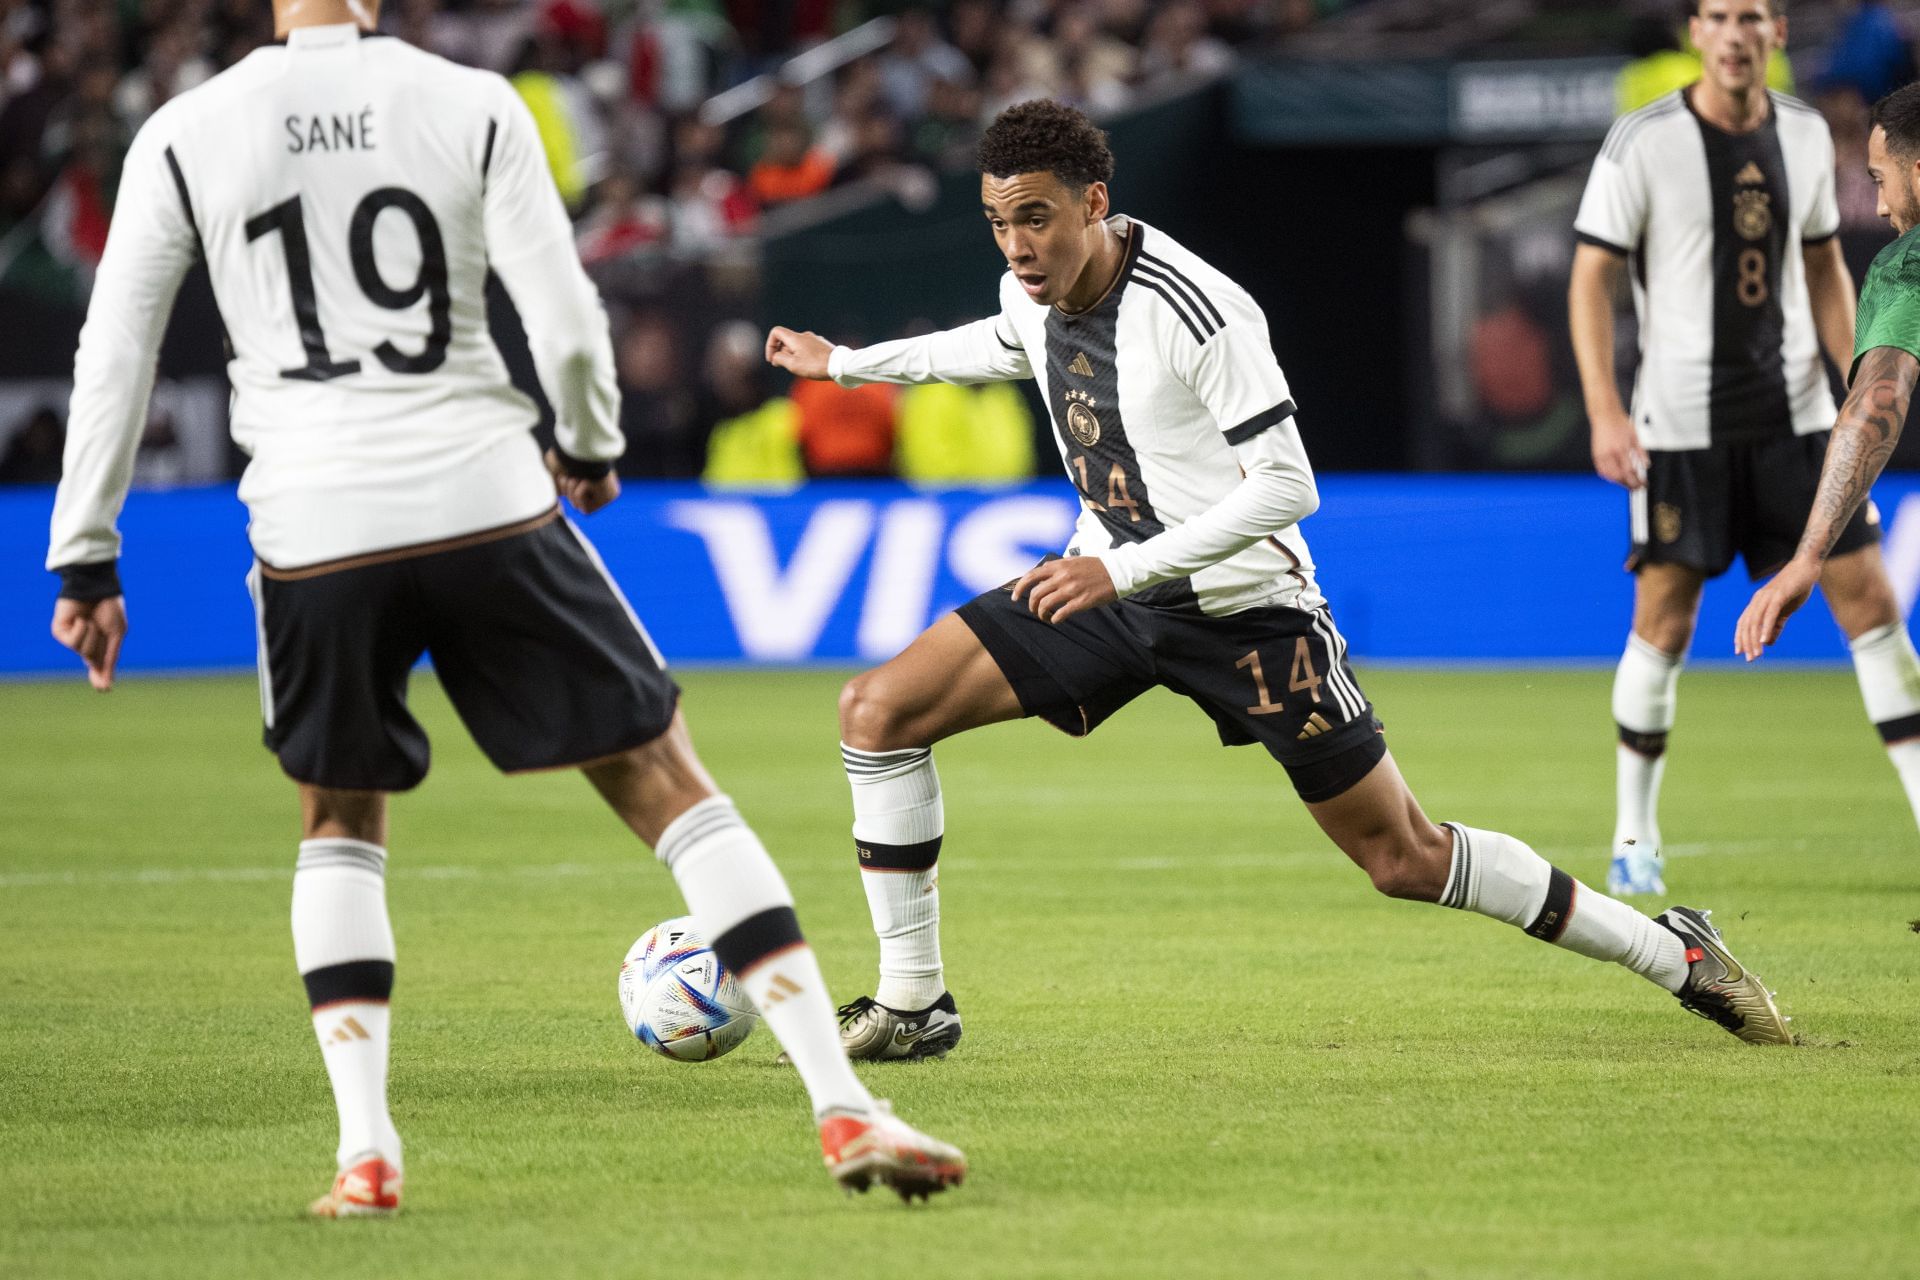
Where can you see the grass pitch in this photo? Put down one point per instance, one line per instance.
(1197, 1043)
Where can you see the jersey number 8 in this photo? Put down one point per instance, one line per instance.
(289, 220)
(1752, 285)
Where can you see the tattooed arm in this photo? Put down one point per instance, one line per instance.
(1863, 440)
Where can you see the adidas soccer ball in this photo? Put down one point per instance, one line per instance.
(678, 998)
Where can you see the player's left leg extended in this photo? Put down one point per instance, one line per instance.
(1377, 822)
(1863, 603)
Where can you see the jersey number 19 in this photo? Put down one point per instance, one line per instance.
(289, 220)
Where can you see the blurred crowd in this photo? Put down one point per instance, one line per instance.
(675, 130)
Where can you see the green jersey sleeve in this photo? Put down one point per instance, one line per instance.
(1889, 314)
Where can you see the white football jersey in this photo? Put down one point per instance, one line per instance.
(1716, 223)
(349, 193)
(1150, 390)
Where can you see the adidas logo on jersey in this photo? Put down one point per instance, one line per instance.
(1316, 725)
(1080, 366)
(1750, 175)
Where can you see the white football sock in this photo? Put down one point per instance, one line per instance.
(898, 821)
(1644, 686)
(1889, 673)
(741, 905)
(1499, 876)
(343, 946)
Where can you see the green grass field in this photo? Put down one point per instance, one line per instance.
(1197, 1043)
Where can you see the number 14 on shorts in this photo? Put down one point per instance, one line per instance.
(1304, 677)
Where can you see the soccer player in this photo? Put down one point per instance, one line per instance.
(349, 194)
(1722, 196)
(1886, 365)
(1187, 570)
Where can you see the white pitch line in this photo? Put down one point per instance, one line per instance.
(582, 871)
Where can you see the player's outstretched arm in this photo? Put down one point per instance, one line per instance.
(1617, 455)
(984, 351)
(1863, 440)
(804, 355)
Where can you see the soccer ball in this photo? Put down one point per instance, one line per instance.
(678, 998)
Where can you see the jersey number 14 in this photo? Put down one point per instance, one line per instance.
(289, 220)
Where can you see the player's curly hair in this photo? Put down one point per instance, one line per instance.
(1899, 114)
(1044, 136)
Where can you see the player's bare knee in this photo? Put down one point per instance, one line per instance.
(872, 716)
(1408, 865)
(1868, 605)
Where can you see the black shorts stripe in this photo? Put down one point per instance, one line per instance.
(1167, 268)
(761, 935)
(353, 980)
(1189, 295)
(919, 856)
(1259, 422)
(1173, 302)
(1556, 910)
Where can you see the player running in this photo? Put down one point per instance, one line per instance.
(1886, 365)
(1723, 195)
(349, 194)
(1187, 570)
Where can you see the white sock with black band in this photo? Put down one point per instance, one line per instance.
(898, 823)
(343, 947)
(741, 905)
(1501, 877)
(1644, 696)
(1889, 673)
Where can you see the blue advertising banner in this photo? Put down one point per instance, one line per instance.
(1417, 568)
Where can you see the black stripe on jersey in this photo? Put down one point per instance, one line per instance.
(1165, 268)
(1260, 422)
(1752, 212)
(486, 157)
(1011, 346)
(1814, 242)
(1179, 310)
(180, 185)
(1621, 136)
(1598, 243)
(1086, 413)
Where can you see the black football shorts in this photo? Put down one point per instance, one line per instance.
(535, 645)
(1271, 675)
(1701, 507)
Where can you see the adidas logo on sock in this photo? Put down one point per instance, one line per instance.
(348, 1031)
(781, 989)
